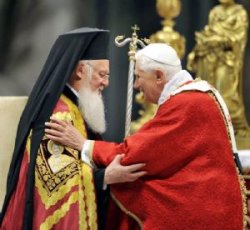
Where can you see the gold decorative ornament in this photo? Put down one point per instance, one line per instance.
(169, 10)
(218, 57)
(54, 148)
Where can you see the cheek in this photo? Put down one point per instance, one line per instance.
(94, 84)
(146, 85)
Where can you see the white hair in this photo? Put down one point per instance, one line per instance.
(159, 56)
(89, 68)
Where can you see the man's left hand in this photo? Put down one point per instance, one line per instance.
(117, 173)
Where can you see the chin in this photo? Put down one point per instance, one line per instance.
(147, 100)
(151, 101)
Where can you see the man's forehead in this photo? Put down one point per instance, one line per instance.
(100, 65)
(137, 67)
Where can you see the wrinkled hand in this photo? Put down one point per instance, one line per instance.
(117, 173)
(64, 133)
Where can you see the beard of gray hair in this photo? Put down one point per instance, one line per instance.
(91, 106)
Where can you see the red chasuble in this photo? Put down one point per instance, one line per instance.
(192, 182)
(64, 191)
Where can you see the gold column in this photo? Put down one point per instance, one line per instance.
(218, 57)
(168, 9)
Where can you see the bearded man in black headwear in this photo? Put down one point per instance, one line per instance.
(48, 186)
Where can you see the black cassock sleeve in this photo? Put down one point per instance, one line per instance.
(102, 196)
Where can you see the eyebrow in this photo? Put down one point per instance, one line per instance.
(104, 72)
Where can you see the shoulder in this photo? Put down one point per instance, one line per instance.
(63, 109)
(190, 97)
(62, 105)
(191, 103)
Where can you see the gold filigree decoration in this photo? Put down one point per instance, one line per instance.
(54, 185)
(50, 179)
(89, 196)
(241, 180)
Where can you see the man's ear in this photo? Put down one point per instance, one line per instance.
(79, 70)
(160, 77)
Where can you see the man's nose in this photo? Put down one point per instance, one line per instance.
(105, 82)
(136, 85)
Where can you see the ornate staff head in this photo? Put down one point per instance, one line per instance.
(133, 41)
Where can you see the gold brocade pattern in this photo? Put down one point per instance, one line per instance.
(89, 196)
(50, 174)
(82, 206)
(58, 170)
(244, 197)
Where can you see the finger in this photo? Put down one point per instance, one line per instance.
(53, 132)
(135, 167)
(55, 139)
(54, 126)
(57, 121)
(118, 158)
(137, 175)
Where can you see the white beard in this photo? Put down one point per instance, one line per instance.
(92, 108)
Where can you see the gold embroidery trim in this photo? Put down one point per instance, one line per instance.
(241, 180)
(76, 116)
(82, 212)
(85, 171)
(58, 214)
(50, 180)
(49, 200)
(89, 193)
(244, 198)
(132, 215)
(86, 174)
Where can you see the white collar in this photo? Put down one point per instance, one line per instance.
(178, 79)
(73, 90)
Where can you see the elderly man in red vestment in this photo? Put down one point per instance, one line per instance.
(192, 181)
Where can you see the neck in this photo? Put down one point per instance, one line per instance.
(177, 80)
(72, 89)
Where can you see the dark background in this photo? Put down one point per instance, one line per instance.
(28, 29)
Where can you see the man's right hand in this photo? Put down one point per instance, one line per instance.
(64, 133)
(117, 173)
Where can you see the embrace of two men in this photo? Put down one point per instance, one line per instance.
(174, 173)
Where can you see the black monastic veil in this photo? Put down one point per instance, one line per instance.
(68, 49)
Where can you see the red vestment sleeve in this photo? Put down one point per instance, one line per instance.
(169, 141)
